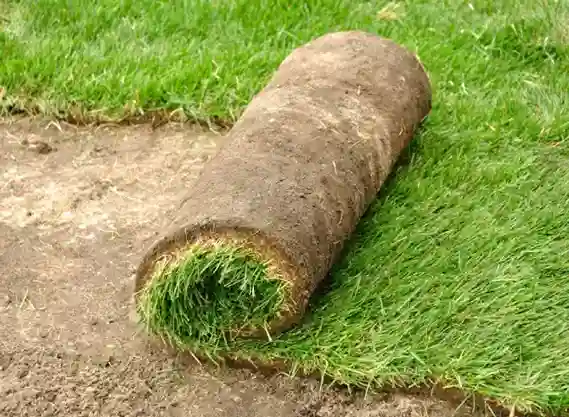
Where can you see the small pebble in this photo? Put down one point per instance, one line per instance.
(104, 361)
(5, 301)
(28, 393)
(50, 396)
(22, 373)
(38, 146)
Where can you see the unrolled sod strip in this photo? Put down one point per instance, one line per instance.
(271, 211)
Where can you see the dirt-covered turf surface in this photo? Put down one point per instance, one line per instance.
(76, 208)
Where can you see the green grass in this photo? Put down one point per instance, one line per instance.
(459, 273)
(209, 295)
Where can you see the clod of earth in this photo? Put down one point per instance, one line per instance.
(270, 213)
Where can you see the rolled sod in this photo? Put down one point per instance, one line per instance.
(270, 213)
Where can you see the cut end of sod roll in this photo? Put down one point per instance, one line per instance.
(217, 289)
(270, 213)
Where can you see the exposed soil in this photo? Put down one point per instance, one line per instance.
(78, 207)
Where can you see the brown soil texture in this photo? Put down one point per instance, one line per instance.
(305, 160)
(77, 208)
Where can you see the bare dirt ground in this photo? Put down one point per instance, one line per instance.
(77, 208)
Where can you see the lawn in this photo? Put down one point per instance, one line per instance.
(459, 273)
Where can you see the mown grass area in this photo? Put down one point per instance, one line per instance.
(460, 271)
